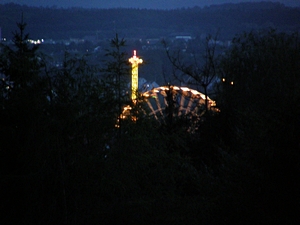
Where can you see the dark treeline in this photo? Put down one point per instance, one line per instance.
(58, 23)
(65, 158)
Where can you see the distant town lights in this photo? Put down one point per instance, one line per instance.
(36, 42)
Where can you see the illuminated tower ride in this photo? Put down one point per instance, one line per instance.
(135, 61)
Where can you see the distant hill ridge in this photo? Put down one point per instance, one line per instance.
(60, 23)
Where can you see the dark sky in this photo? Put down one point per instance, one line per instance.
(151, 4)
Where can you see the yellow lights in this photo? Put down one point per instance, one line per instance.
(187, 92)
(164, 88)
(212, 103)
(223, 80)
(125, 114)
(135, 61)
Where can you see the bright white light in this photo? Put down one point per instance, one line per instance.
(185, 89)
(195, 92)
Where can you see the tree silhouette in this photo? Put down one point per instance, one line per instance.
(194, 71)
(262, 127)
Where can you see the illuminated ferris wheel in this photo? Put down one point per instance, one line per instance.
(185, 101)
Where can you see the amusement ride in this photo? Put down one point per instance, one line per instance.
(189, 102)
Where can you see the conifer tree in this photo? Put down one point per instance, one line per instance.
(20, 63)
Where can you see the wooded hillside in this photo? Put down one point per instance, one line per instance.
(58, 23)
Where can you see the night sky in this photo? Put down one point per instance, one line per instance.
(151, 4)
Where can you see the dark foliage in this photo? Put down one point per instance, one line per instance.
(63, 161)
(262, 113)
